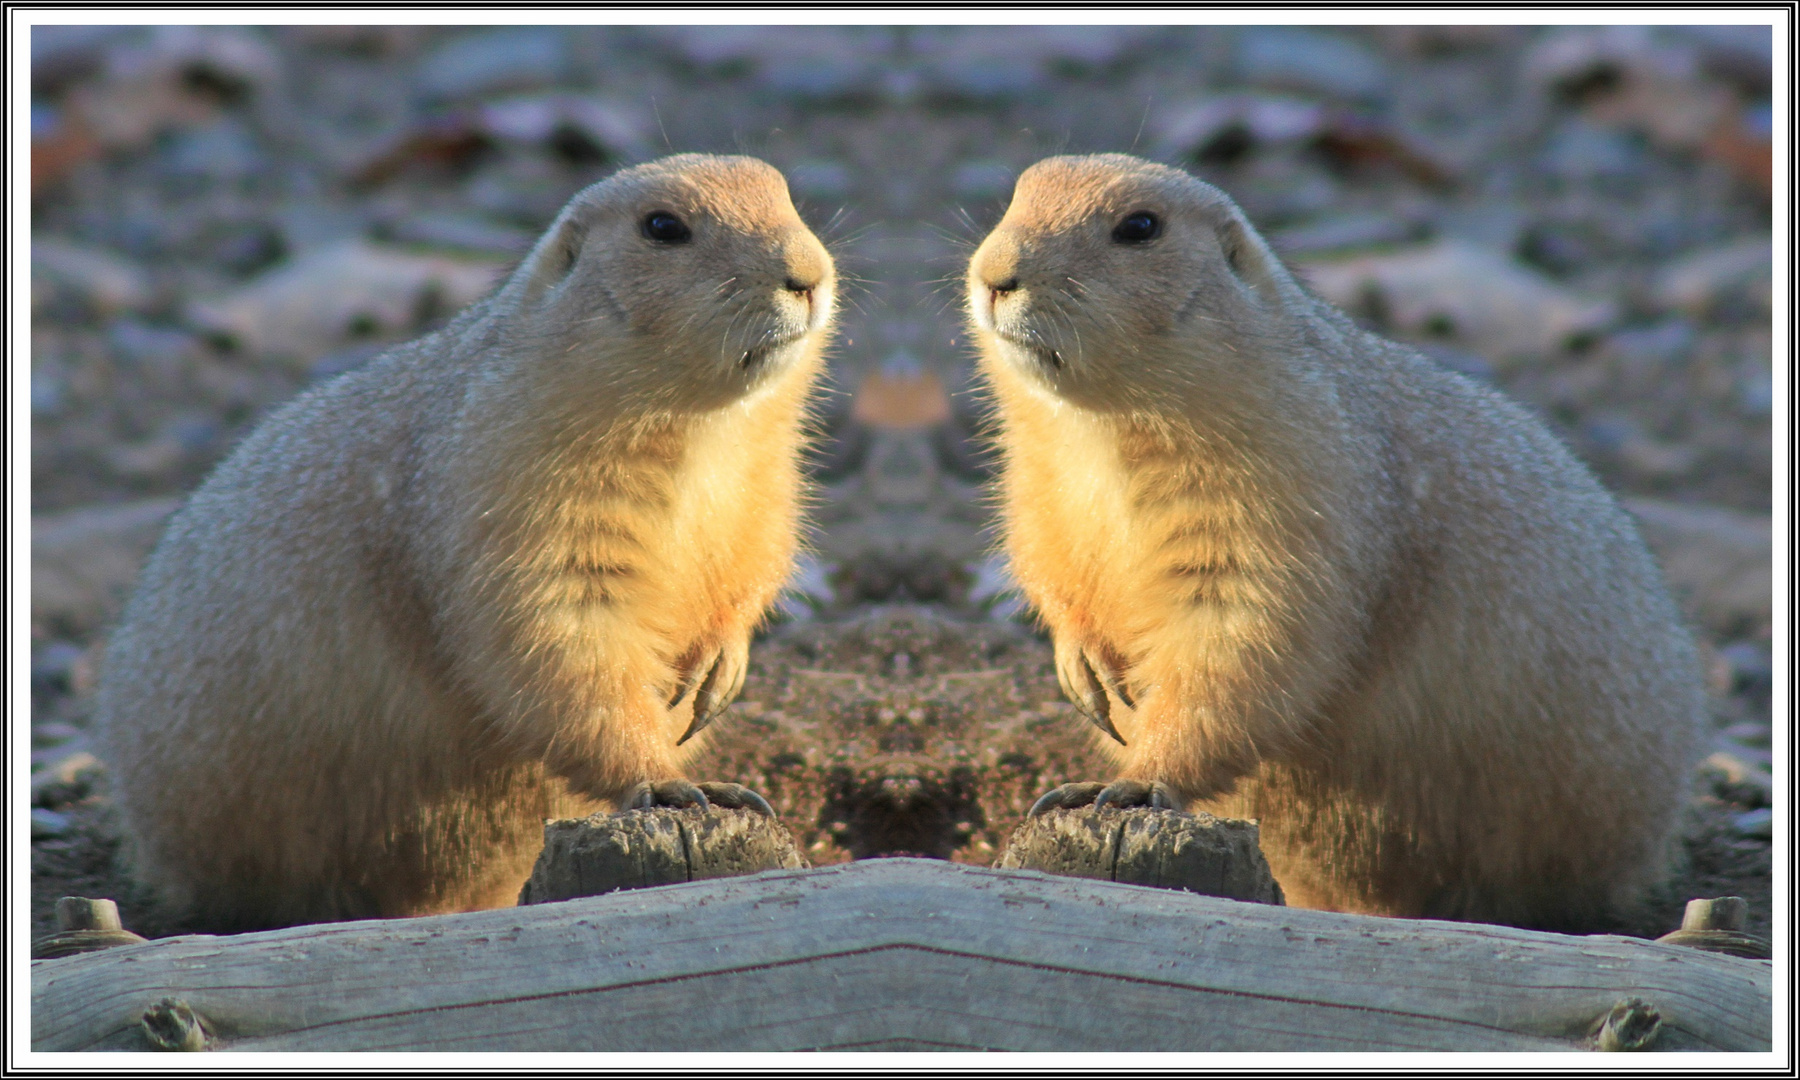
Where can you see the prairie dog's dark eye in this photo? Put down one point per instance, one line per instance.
(1138, 227)
(665, 228)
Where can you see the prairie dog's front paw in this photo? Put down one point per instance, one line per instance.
(681, 794)
(1087, 671)
(712, 676)
(1120, 793)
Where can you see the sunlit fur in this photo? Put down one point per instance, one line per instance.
(443, 597)
(1352, 594)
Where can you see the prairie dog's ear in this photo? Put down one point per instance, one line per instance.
(555, 256)
(1248, 258)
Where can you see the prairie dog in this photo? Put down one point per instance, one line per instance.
(492, 576)
(1305, 575)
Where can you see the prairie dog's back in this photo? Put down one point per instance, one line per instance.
(1308, 576)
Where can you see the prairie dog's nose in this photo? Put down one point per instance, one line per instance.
(996, 265)
(807, 274)
(807, 264)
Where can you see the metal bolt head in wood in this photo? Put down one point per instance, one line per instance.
(83, 926)
(1717, 925)
(1721, 913)
(80, 913)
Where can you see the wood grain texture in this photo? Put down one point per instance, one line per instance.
(881, 954)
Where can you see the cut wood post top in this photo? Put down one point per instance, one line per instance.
(1140, 846)
(953, 955)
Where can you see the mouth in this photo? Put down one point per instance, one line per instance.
(758, 354)
(1044, 355)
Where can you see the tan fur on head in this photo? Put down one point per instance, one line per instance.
(1311, 577)
(451, 593)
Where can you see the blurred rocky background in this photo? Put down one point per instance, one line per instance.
(222, 216)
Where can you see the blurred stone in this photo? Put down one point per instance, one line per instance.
(48, 824)
(61, 667)
(434, 145)
(816, 63)
(62, 777)
(1458, 290)
(363, 39)
(223, 151)
(1752, 733)
(83, 562)
(105, 282)
(582, 128)
(808, 589)
(462, 232)
(1628, 76)
(64, 54)
(175, 77)
(1488, 223)
(1225, 128)
(1744, 143)
(1756, 824)
(1623, 439)
(51, 732)
(244, 247)
(989, 64)
(1704, 281)
(1661, 345)
(1579, 151)
(1292, 58)
(1736, 778)
(1718, 561)
(1341, 232)
(61, 142)
(1751, 670)
(311, 305)
(1741, 55)
(305, 224)
(821, 75)
(488, 61)
(1358, 143)
(159, 349)
(995, 591)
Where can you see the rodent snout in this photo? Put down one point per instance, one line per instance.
(994, 274)
(807, 272)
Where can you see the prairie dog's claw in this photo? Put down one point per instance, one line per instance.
(1127, 793)
(735, 797)
(1065, 797)
(1086, 673)
(723, 680)
(677, 794)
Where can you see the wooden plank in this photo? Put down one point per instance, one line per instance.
(891, 952)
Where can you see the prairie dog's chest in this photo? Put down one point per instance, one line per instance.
(1075, 528)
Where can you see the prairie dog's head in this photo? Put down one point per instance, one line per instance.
(1120, 284)
(688, 279)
